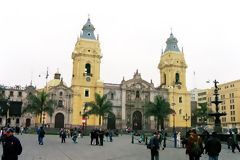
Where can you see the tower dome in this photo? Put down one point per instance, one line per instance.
(88, 31)
(172, 44)
(56, 81)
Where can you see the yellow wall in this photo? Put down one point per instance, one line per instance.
(86, 51)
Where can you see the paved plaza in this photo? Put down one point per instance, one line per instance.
(120, 149)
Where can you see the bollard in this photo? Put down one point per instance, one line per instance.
(132, 138)
(146, 140)
(175, 142)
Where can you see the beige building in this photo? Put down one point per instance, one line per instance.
(229, 94)
(17, 99)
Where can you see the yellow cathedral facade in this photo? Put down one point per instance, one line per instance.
(86, 81)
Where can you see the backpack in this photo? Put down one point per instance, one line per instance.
(196, 148)
(150, 145)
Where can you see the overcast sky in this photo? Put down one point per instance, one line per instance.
(35, 35)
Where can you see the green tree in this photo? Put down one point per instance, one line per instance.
(38, 104)
(100, 107)
(202, 112)
(160, 109)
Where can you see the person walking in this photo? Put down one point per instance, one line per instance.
(235, 142)
(96, 135)
(164, 139)
(110, 135)
(194, 146)
(107, 135)
(175, 139)
(11, 146)
(154, 146)
(92, 136)
(178, 139)
(213, 147)
(41, 135)
(21, 129)
(229, 140)
(75, 136)
(101, 136)
(63, 135)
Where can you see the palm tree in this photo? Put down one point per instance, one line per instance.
(100, 107)
(202, 112)
(38, 104)
(160, 109)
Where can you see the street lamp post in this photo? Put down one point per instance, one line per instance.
(173, 114)
(174, 132)
(7, 111)
(186, 118)
(83, 125)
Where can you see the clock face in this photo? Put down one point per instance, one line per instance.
(88, 79)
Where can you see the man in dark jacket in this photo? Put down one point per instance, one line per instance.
(63, 135)
(154, 141)
(213, 147)
(101, 135)
(11, 146)
(235, 142)
(41, 134)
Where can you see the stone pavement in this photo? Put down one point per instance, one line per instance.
(120, 149)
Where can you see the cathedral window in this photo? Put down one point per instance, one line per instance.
(180, 111)
(60, 103)
(164, 79)
(146, 98)
(61, 93)
(19, 94)
(112, 96)
(177, 78)
(86, 94)
(88, 69)
(137, 94)
(180, 99)
(17, 121)
(11, 93)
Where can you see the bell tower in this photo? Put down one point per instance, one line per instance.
(86, 73)
(172, 68)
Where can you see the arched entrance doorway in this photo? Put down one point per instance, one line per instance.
(59, 120)
(137, 120)
(111, 121)
(28, 122)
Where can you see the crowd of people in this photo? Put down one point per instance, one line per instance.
(196, 145)
(98, 136)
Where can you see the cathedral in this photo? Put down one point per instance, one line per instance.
(128, 97)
